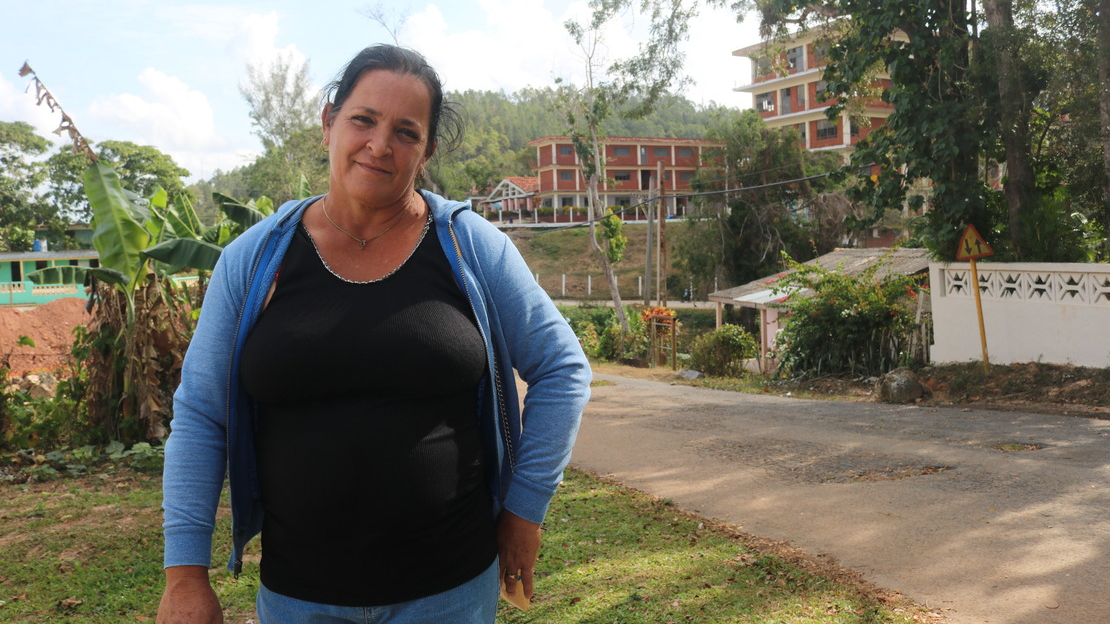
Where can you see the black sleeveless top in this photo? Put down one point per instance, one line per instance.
(369, 453)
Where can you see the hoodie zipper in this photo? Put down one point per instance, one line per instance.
(267, 252)
(507, 437)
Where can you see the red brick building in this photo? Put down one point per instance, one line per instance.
(630, 166)
(785, 84)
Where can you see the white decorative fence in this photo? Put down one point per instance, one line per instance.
(1046, 312)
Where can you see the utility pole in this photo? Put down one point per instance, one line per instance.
(647, 260)
(661, 290)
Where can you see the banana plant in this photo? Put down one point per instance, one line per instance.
(143, 319)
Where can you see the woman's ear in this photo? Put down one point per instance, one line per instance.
(325, 121)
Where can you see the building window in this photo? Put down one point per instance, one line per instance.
(685, 152)
(827, 129)
(566, 175)
(786, 101)
(794, 58)
(72, 263)
(547, 202)
(661, 152)
(17, 271)
(566, 150)
(624, 201)
(566, 202)
(622, 150)
(855, 129)
(821, 86)
(622, 176)
(801, 131)
(685, 176)
(765, 102)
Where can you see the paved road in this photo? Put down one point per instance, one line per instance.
(917, 499)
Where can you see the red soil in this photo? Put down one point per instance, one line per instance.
(50, 326)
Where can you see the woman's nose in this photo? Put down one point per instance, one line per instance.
(378, 142)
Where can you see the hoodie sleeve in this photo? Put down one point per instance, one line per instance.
(534, 337)
(196, 449)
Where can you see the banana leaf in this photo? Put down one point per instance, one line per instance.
(188, 214)
(186, 252)
(245, 216)
(302, 188)
(117, 236)
(76, 275)
(263, 204)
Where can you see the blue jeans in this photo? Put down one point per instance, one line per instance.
(473, 602)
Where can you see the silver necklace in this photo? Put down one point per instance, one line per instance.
(427, 226)
(361, 241)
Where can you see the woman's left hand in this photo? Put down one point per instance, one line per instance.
(518, 544)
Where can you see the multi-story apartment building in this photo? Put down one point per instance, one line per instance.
(785, 84)
(630, 167)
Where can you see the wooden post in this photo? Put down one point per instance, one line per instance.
(979, 312)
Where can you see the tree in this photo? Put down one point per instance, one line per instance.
(279, 171)
(783, 201)
(586, 109)
(280, 99)
(957, 94)
(21, 209)
(141, 169)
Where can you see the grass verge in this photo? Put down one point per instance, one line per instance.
(89, 550)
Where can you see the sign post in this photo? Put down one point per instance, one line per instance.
(971, 247)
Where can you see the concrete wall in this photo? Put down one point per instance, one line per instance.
(1055, 313)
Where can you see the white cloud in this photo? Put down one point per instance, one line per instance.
(515, 46)
(168, 114)
(253, 43)
(524, 42)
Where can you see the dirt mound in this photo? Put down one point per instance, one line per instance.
(50, 326)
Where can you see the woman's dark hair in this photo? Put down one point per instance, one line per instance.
(445, 125)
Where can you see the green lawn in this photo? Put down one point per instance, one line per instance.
(89, 550)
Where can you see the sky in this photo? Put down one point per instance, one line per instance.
(167, 72)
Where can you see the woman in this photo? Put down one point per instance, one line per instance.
(353, 371)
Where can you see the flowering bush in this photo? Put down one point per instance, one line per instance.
(847, 324)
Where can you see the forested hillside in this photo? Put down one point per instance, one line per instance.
(497, 128)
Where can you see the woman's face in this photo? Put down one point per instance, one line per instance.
(378, 140)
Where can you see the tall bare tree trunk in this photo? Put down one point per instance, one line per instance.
(602, 252)
(1014, 106)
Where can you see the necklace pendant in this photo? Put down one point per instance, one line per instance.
(362, 244)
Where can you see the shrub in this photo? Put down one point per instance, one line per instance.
(847, 324)
(722, 352)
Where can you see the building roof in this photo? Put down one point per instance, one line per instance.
(609, 140)
(526, 184)
(899, 261)
(68, 254)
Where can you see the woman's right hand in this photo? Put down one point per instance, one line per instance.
(189, 598)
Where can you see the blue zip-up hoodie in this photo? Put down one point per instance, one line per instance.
(213, 422)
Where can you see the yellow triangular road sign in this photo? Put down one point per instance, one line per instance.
(972, 245)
